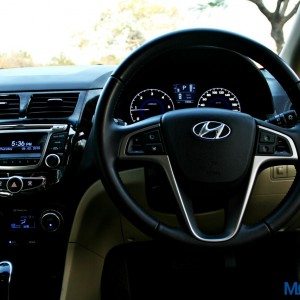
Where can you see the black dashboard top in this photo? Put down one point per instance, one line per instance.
(54, 78)
(45, 83)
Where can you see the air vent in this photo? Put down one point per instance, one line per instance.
(9, 106)
(52, 105)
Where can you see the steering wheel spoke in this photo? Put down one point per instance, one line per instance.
(272, 147)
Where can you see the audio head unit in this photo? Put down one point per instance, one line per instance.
(26, 147)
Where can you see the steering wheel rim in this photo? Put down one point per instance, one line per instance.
(111, 140)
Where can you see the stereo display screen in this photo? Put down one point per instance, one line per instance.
(17, 144)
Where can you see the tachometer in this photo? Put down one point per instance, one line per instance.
(149, 103)
(219, 98)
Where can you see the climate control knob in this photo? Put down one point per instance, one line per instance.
(51, 220)
(52, 161)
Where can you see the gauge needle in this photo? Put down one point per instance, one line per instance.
(140, 109)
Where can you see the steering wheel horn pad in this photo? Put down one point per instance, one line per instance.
(210, 158)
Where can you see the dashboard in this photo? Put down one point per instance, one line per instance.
(198, 78)
(46, 156)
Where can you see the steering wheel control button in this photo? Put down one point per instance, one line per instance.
(267, 137)
(52, 161)
(154, 149)
(266, 149)
(152, 137)
(14, 184)
(148, 142)
(271, 143)
(32, 183)
(51, 221)
(136, 144)
(282, 147)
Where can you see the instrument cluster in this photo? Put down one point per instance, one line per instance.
(151, 101)
(195, 78)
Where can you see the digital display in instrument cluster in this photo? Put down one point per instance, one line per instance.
(184, 92)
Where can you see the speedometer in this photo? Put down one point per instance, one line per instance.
(149, 103)
(219, 98)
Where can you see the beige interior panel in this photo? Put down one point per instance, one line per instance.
(82, 275)
(270, 188)
(97, 226)
(96, 229)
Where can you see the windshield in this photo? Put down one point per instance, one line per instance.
(67, 32)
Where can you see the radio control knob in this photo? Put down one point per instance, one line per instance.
(52, 160)
(51, 220)
(14, 184)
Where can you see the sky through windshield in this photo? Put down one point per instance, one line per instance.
(55, 32)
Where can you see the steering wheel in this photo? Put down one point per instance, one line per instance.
(199, 147)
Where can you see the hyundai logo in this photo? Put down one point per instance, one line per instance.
(211, 130)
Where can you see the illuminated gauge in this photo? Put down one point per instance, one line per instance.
(149, 103)
(219, 98)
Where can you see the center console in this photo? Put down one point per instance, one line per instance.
(33, 162)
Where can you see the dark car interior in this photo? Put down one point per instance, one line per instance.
(171, 175)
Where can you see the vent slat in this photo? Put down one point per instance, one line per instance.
(10, 109)
(9, 106)
(40, 107)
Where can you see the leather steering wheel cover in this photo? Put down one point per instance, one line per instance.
(105, 147)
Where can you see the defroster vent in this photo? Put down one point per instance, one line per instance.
(9, 106)
(52, 105)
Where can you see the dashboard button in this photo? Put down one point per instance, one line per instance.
(35, 161)
(56, 145)
(12, 243)
(51, 221)
(3, 162)
(14, 184)
(61, 135)
(3, 182)
(18, 162)
(28, 162)
(52, 161)
(11, 162)
(31, 243)
(32, 183)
